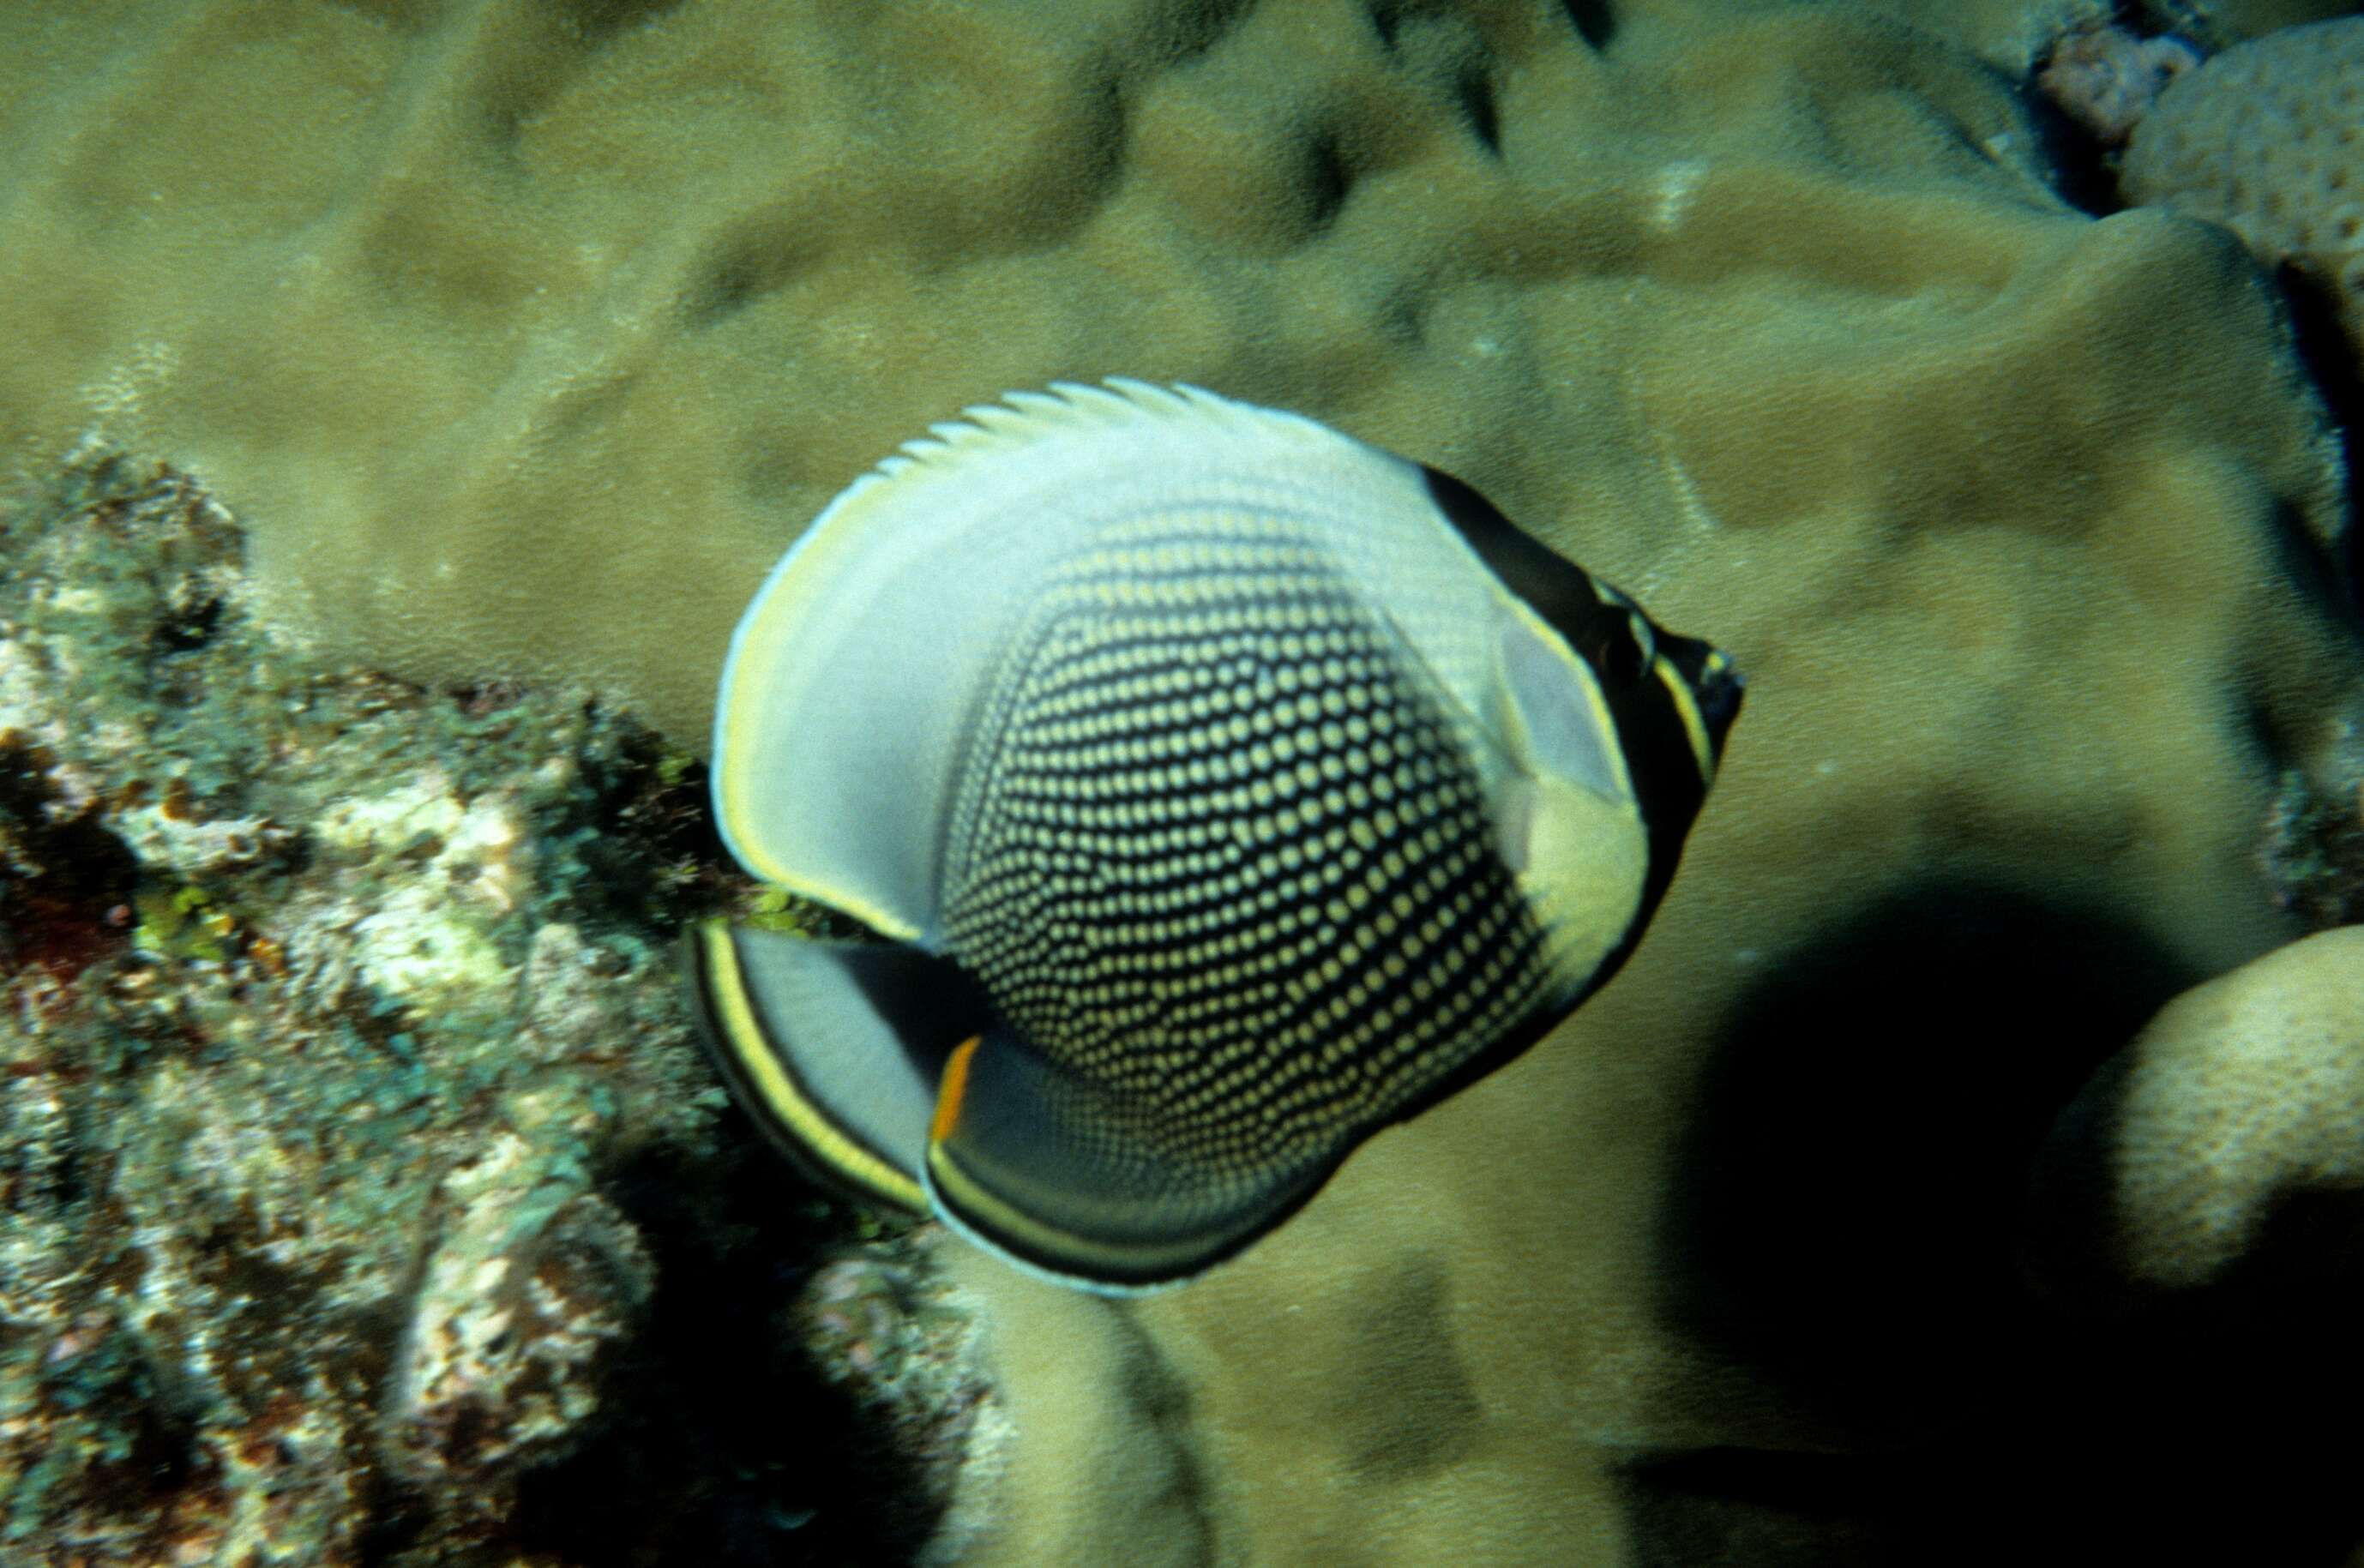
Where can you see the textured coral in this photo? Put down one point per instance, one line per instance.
(2268, 138)
(895, 1332)
(2198, 1209)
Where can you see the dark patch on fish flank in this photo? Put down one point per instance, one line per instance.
(1555, 587)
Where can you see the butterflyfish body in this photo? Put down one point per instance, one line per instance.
(1225, 790)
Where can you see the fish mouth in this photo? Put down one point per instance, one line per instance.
(1715, 682)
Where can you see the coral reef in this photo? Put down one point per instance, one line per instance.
(2230, 1132)
(2199, 1211)
(525, 336)
(336, 1014)
(2268, 138)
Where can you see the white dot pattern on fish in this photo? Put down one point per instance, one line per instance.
(1221, 852)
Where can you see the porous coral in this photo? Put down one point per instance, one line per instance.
(2239, 1108)
(2268, 138)
(2019, 35)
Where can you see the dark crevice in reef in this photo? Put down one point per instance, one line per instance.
(652, 856)
(1595, 21)
(596, 21)
(63, 877)
(728, 1447)
(1328, 179)
(1447, 61)
(2330, 357)
(1176, 33)
(2084, 172)
(1473, 95)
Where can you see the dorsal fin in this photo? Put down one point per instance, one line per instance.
(855, 672)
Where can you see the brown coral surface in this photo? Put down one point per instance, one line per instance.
(525, 335)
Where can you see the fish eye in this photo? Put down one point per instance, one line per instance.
(1623, 659)
(1645, 642)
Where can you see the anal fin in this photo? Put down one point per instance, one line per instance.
(834, 1048)
(1069, 1182)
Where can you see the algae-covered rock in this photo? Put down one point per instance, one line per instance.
(343, 1075)
(525, 337)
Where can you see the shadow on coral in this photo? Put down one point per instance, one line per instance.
(1852, 1178)
(1849, 1229)
(729, 1448)
(2083, 173)
(598, 21)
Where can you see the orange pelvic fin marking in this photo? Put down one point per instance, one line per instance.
(949, 1093)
